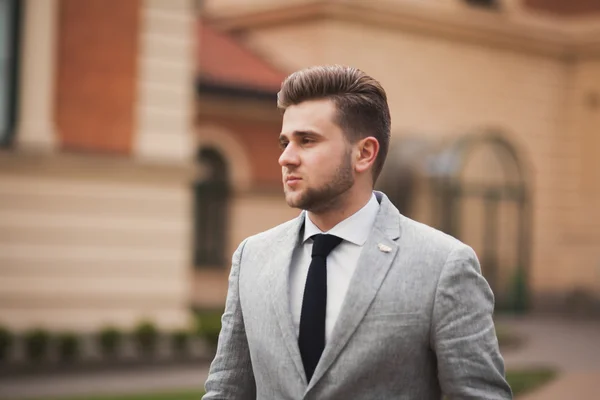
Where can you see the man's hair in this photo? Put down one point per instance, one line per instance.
(360, 100)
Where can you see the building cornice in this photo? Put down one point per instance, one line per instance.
(210, 105)
(93, 167)
(553, 38)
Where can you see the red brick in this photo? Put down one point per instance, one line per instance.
(96, 74)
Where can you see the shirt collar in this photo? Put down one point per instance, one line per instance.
(354, 229)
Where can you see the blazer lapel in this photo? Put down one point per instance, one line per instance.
(373, 265)
(278, 268)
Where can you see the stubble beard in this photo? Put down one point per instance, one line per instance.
(329, 196)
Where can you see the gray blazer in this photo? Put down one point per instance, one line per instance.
(416, 322)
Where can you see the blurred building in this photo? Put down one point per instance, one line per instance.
(237, 187)
(119, 200)
(97, 122)
(141, 142)
(499, 101)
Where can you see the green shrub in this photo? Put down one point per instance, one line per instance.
(180, 342)
(507, 339)
(6, 343)
(36, 344)
(68, 346)
(146, 337)
(208, 325)
(523, 381)
(518, 291)
(109, 341)
(581, 302)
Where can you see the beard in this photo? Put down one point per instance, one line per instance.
(331, 194)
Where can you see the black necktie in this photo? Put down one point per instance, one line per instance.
(314, 304)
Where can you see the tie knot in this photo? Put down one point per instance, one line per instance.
(323, 244)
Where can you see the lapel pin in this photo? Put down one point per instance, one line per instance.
(384, 248)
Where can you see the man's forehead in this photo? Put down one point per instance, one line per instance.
(320, 106)
(308, 116)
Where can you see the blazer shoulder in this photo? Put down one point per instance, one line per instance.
(275, 233)
(428, 238)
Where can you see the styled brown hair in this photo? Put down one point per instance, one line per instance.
(361, 102)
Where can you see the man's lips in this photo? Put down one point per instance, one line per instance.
(292, 180)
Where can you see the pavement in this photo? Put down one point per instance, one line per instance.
(572, 347)
(105, 383)
(580, 386)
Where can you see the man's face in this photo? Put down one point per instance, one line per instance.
(316, 162)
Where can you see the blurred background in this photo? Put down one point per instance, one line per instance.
(140, 144)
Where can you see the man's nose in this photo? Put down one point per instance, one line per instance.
(289, 156)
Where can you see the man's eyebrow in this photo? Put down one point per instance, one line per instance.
(283, 136)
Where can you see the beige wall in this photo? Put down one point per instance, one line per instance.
(165, 86)
(85, 243)
(583, 124)
(221, 8)
(442, 87)
(227, 8)
(582, 216)
(254, 213)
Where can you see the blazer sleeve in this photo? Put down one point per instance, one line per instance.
(230, 376)
(463, 335)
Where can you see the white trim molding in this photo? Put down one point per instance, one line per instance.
(165, 83)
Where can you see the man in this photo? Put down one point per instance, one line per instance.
(351, 300)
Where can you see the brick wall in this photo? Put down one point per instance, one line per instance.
(96, 74)
(260, 141)
(91, 241)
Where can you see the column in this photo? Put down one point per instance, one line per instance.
(35, 126)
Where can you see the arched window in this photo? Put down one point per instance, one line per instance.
(211, 208)
(483, 199)
(473, 187)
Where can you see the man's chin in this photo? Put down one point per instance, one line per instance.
(294, 200)
(293, 203)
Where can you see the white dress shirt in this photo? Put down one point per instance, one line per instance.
(341, 262)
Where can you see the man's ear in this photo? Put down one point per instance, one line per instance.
(366, 154)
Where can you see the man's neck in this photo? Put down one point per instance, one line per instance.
(331, 217)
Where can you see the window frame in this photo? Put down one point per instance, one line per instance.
(211, 196)
(7, 132)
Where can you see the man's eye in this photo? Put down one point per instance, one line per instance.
(307, 140)
(283, 145)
